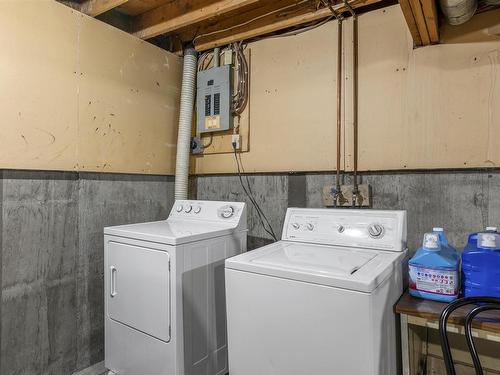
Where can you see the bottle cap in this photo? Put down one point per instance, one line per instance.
(491, 229)
(487, 240)
(431, 241)
(437, 229)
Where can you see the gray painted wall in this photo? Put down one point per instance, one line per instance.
(460, 201)
(52, 262)
(52, 243)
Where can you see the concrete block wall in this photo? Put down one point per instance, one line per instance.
(52, 262)
(460, 201)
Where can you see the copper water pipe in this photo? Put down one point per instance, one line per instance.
(355, 191)
(338, 17)
(339, 104)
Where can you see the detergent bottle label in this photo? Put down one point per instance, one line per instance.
(434, 281)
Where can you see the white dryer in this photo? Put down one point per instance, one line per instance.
(164, 290)
(320, 301)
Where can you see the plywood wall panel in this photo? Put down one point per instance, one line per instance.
(128, 103)
(292, 106)
(453, 118)
(432, 107)
(384, 59)
(78, 94)
(38, 86)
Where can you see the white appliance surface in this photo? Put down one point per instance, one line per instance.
(165, 293)
(188, 221)
(354, 269)
(320, 301)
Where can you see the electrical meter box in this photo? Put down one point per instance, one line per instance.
(213, 100)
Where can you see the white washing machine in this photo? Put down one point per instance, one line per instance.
(320, 301)
(164, 290)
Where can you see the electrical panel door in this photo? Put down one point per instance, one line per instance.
(213, 101)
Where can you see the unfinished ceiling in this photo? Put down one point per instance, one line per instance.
(212, 23)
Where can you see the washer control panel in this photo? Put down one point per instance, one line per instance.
(208, 210)
(385, 230)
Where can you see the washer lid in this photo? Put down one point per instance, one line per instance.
(171, 231)
(305, 258)
(354, 269)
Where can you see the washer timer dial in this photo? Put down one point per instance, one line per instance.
(375, 230)
(226, 212)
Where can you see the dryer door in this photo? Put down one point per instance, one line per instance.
(138, 293)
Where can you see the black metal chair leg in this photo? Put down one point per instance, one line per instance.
(468, 334)
(443, 321)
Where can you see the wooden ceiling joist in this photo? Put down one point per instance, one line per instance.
(422, 19)
(418, 13)
(431, 19)
(268, 24)
(96, 7)
(178, 14)
(410, 21)
(214, 23)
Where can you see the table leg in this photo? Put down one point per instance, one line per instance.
(405, 348)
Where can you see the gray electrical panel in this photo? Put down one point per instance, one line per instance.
(213, 100)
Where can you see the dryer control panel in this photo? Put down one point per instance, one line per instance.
(370, 229)
(224, 212)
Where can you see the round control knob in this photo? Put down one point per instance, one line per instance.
(188, 208)
(227, 212)
(197, 209)
(178, 208)
(376, 230)
(309, 226)
(340, 228)
(295, 226)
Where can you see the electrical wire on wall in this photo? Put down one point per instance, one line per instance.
(248, 192)
(241, 78)
(240, 97)
(239, 101)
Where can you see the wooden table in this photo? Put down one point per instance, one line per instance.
(415, 312)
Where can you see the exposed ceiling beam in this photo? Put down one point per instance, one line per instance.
(95, 7)
(241, 16)
(431, 19)
(410, 21)
(269, 24)
(422, 19)
(418, 13)
(178, 14)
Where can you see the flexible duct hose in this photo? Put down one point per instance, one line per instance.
(185, 121)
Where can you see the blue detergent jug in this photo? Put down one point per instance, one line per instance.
(434, 271)
(472, 239)
(481, 264)
(445, 245)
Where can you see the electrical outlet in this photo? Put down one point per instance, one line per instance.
(236, 140)
(345, 198)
